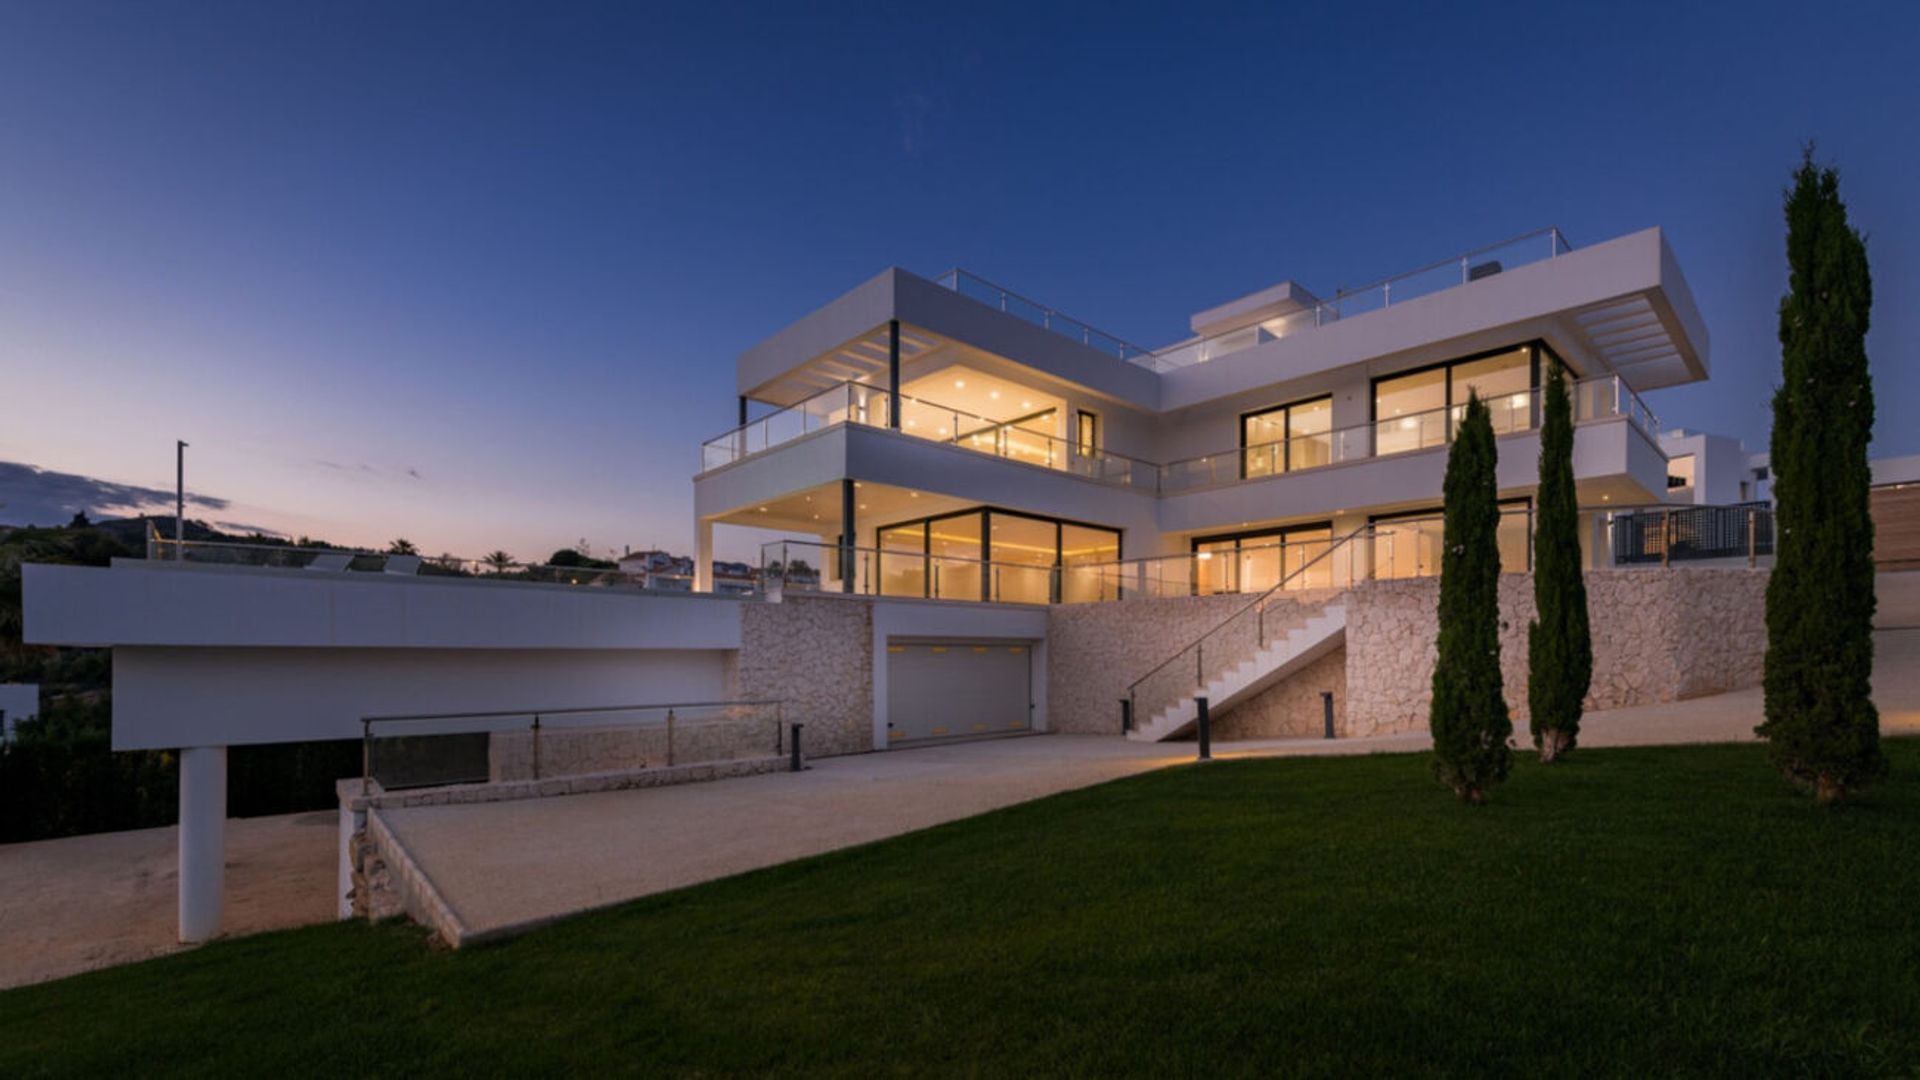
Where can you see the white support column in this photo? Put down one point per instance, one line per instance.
(203, 841)
(703, 556)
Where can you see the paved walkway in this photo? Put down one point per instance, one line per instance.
(85, 902)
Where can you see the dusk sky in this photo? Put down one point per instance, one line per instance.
(477, 276)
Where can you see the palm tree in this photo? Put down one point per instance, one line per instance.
(499, 560)
(402, 546)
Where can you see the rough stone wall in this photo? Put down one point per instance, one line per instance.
(1658, 635)
(815, 654)
(1095, 651)
(1291, 708)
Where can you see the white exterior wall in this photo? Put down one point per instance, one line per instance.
(210, 696)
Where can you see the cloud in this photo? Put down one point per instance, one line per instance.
(362, 468)
(249, 529)
(30, 495)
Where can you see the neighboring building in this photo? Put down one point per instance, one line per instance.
(18, 702)
(1712, 470)
(952, 439)
(1896, 512)
(659, 570)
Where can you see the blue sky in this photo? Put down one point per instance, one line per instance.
(477, 275)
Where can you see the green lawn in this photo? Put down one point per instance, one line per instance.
(1631, 911)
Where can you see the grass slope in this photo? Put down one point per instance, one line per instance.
(1670, 910)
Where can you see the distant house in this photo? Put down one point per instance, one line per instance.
(735, 577)
(659, 570)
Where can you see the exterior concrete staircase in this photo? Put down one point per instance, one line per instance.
(1287, 650)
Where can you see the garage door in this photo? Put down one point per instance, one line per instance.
(955, 689)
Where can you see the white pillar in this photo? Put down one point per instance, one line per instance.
(203, 841)
(703, 556)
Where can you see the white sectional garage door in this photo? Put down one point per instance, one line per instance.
(956, 689)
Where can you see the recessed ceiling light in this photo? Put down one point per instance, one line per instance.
(995, 395)
(863, 506)
(959, 384)
(763, 509)
(913, 494)
(1026, 404)
(913, 423)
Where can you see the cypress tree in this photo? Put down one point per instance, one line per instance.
(1822, 729)
(1559, 643)
(1469, 717)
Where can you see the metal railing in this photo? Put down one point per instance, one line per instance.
(817, 566)
(354, 560)
(1394, 548)
(1662, 534)
(1245, 631)
(503, 746)
(978, 288)
(1601, 398)
(1465, 268)
(858, 403)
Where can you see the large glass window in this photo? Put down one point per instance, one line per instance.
(1016, 558)
(903, 560)
(1256, 562)
(953, 543)
(1409, 544)
(1409, 411)
(1421, 409)
(1504, 381)
(1297, 436)
(1024, 550)
(1085, 558)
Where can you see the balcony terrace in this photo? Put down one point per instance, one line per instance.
(1021, 440)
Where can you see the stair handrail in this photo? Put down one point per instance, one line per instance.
(1255, 602)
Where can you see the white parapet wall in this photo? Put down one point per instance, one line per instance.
(217, 656)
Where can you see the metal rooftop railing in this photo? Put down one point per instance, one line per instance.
(1462, 269)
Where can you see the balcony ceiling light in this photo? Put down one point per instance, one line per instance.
(913, 423)
(959, 384)
(763, 509)
(994, 394)
(1026, 404)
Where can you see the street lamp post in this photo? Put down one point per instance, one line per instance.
(179, 498)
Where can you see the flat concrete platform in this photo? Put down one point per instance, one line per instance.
(85, 902)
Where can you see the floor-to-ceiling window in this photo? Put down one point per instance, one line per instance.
(1407, 544)
(1024, 552)
(1086, 558)
(1421, 408)
(1253, 562)
(953, 548)
(1287, 437)
(989, 554)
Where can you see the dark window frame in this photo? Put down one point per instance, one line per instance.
(1286, 431)
(986, 512)
(1537, 350)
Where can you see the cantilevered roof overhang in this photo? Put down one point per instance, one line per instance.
(849, 338)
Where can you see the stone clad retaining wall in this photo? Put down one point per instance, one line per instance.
(814, 654)
(1291, 708)
(1658, 635)
(1095, 651)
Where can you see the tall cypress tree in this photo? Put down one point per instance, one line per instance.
(1469, 717)
(1821, 724)
(1559, 643)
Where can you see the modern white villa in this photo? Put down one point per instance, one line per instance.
(1000, 521)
